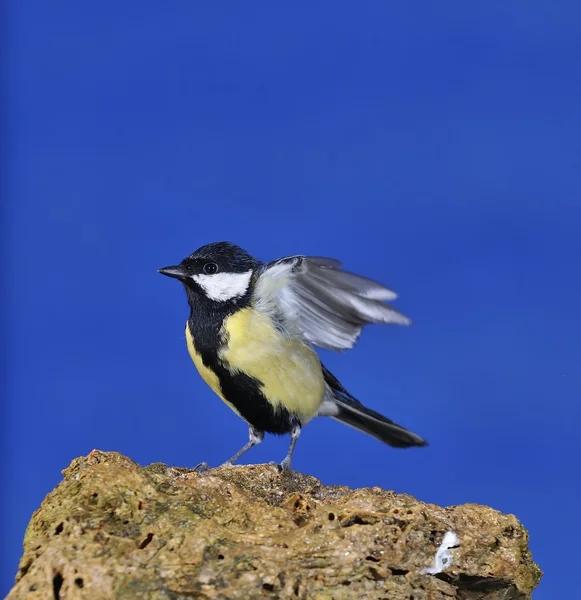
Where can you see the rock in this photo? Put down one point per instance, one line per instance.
(114, 529)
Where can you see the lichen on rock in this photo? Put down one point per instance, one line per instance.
(115, 530)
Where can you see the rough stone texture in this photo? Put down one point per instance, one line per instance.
(113, 529)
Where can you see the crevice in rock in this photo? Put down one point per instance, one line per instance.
(24, 568)
(473, 582)
(146, 541)
(356, 520)
(57, 584)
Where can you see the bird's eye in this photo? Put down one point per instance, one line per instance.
(210, 268)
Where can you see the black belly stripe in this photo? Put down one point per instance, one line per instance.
(245, 394)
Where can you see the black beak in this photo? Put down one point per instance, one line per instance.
(177, 272)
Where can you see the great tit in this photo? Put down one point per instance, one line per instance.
(251, 331)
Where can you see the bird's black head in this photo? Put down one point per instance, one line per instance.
(220, 271)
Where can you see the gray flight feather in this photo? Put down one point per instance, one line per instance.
(326, 305)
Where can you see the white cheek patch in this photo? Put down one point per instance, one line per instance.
(224, 286)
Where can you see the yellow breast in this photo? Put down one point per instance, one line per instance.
(289, 370)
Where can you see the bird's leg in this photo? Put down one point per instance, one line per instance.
(285, 465)
(255, 437)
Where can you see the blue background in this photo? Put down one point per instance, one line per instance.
(435, 147)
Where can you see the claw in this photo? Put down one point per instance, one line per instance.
(201, 467)
(285, 467)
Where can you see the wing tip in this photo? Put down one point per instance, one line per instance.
(383, 295)
(324, 261)
(394, 317)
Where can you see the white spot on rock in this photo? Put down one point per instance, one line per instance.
(443, 558)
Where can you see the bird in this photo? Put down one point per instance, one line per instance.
(252, 331)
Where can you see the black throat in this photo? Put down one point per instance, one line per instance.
(206, 319)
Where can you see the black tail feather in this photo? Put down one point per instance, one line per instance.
(353, 413)
(377, 425)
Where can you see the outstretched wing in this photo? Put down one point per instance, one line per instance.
(324, 304)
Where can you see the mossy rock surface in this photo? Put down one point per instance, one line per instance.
(115, 530)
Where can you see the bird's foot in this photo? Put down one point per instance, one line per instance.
(285, 466)
(201, 467)
(228, 463)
